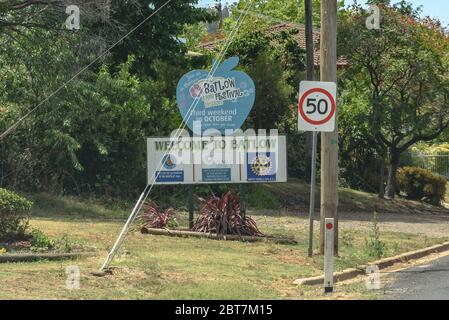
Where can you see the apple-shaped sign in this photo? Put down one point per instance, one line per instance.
(220, 101)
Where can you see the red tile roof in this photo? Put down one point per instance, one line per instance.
(300, 37)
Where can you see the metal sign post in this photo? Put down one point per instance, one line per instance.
(312, 191)
(329, 256)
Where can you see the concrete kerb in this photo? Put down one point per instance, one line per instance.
(382, 264)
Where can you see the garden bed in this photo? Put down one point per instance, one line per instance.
(188, 233)
(31, 257)
(23, 251)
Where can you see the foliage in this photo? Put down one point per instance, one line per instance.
(64, 244)
(375, 247)
(40, 242)
(153, 217)
(223, 216)
(156, 40)
(94, 140)
(347, 239)
(397, 79)
(261, 198)
(14, 211)
(422, 185)
(264, 13)
(90, 136)
(437, 148)
(360, 158)
(433, 157)
(276, 63)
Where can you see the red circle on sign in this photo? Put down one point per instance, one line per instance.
(327, 94)
(329, 226)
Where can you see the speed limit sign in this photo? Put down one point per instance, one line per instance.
(317, 106)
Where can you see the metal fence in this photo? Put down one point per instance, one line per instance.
(437, 163)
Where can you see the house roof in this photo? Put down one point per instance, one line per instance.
(300, 38)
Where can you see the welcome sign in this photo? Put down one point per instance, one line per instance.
(211, 160)
(222, 101)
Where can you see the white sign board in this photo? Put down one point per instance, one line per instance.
(166, 167)
(213, 160)
(317, 106)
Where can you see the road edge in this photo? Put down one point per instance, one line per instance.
(382, 264)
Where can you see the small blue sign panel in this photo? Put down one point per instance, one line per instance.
(216, 174)
(221, 101)
(169, 176)
(261, 166)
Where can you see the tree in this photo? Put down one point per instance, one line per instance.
(274, 62)
(90, 137)
(402, 71)
(264, 13)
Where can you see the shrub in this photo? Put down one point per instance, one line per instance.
(153, 217)
(40, 242)
(421, 184)
(63, 244)
(14, 215)
(223, 216)
(374, 246)
(262, 198)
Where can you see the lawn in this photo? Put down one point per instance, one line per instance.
(159, 267)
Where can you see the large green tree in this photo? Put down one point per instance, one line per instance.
(263, 13)
(90, 136)
(398, 76)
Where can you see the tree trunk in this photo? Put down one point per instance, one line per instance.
(382, 178)
(394, 163)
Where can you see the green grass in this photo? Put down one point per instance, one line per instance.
(46, 205)
(159, 267)
(296, 192)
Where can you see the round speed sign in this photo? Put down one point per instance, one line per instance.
(317, 106)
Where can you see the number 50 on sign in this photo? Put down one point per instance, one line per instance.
(317, 106)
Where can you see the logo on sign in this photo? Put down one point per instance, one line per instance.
(261, 167)
(216, 91)
(169, 162)
(221, 102)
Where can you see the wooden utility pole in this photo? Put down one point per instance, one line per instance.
(329, 141)
(310, 76)
(311, 137)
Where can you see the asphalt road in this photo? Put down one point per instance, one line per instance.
(425, 282)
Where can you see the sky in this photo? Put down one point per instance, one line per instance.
(434, 8)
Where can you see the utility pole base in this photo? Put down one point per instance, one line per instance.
(102, 273)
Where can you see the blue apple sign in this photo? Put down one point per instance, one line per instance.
(221, 102)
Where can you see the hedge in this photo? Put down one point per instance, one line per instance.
(422, 185)
(14, 215)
